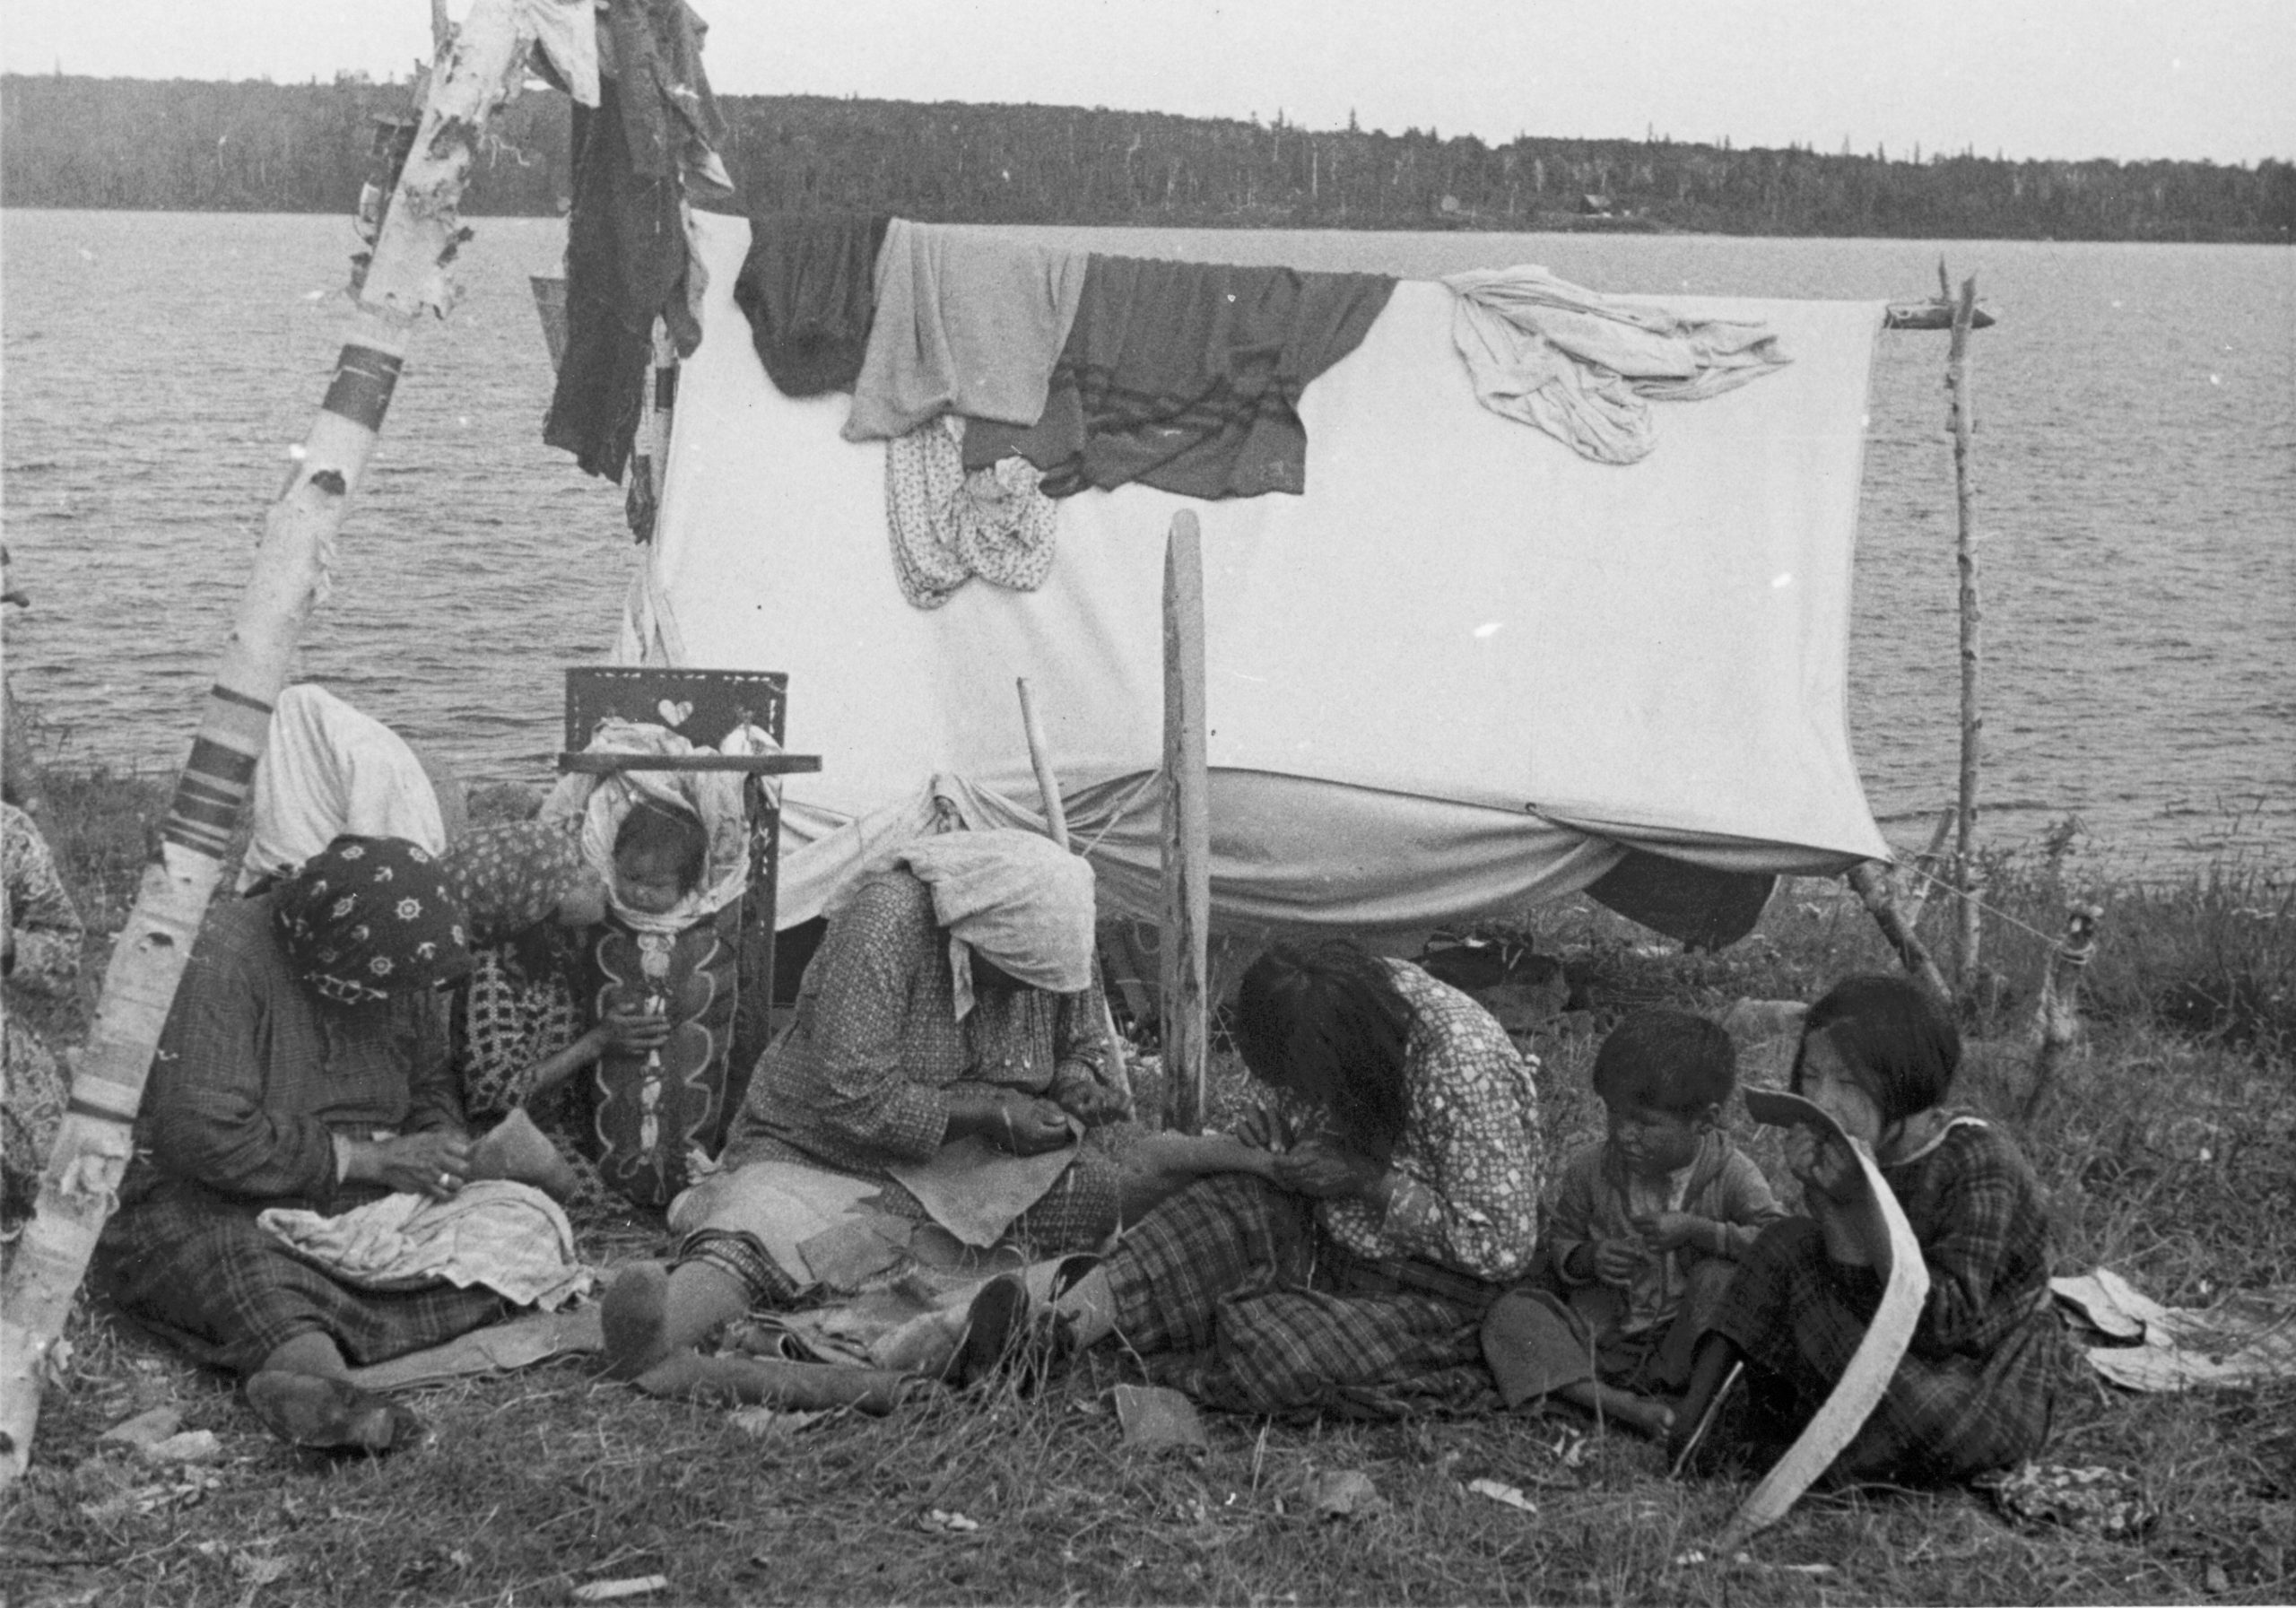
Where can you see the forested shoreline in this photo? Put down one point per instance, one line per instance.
(186, 145)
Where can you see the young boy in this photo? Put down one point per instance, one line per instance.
(1644, 1231)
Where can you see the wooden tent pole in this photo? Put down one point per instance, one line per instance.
(1959, 420)
(1187, 832)
(1055, 824)
(480, 68)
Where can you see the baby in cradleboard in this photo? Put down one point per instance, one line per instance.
(1974, 1390)
(1643, 1234)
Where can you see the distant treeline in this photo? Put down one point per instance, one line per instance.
(72, 142)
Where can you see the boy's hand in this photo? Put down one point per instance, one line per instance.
(1618, 1261)
(1664, 1231)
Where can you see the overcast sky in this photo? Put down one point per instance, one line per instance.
(2030, 78)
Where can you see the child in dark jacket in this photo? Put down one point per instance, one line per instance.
(1643, 1233)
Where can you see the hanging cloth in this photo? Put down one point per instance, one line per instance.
(948, 526)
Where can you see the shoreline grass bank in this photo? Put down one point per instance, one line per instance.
(2169, 1148)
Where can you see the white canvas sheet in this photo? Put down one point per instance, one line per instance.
(1430, 677)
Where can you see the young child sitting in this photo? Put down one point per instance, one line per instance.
(659, 854)
(1974, 1391)
(1643, 1234)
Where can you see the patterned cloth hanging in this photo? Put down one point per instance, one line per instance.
(948, 526)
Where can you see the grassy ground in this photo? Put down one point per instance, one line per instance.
(2170, 1147)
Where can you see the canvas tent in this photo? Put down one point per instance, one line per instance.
(1466, 670)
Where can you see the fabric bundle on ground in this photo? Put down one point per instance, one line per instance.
(1585, 367)
(964, 324)
(508, 1238)
(1461, 672)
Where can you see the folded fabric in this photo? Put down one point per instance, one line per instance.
(783, 1203)
(510, 1237)
(1021, 899)
(1585, 367)
(808, 288)
(328, 769)
(1187, 376)
(966, 322)
(948, 526)
(975, 1191)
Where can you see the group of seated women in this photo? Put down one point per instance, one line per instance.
(1367, 1241)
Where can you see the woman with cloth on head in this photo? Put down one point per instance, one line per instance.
(1401, 1198)
(950, 1001)
(303, 1066)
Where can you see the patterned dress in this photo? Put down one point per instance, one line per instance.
(44, 935)
(1975, 1389)
(1260, 1301)
(863, 1078)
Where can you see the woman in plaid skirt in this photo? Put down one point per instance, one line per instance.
(1402, 1196)
(1975, 1389)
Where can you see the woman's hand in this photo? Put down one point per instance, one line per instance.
(1258, 1128)
(435, 1163)
(1824, 1165)
(1619, 1262)
(1324, 1171)
(630, 1030)
(1029, 1127)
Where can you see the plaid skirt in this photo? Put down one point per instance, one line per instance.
(1943, 1419)
(193, 1265)
(1238, 1298)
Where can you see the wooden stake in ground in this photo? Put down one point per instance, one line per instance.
(1187, 832)
(407, 280)
(1055, 821)
(1959, 420)
(2058, 1011)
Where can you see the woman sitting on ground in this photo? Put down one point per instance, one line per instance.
(949, 1000)
(303, 1066)
(1402, 1196)
(1974, 1391)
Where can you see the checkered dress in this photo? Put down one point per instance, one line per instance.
(1975, 1389)
(1268, 1303)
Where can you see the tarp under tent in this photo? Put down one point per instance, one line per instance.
(1468, 669)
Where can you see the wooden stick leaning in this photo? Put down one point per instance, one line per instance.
(1905, 1287)
(1959, 420)
(2057, 1013)
(1056, 820)
(479, 68)
(1870, 880)
(1187, 831)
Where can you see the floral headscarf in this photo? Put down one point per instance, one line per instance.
(367, 917)
(513, 876)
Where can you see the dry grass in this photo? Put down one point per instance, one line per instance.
(2170, 1150)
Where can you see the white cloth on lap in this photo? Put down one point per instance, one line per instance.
(328, 769)
(510, 1237)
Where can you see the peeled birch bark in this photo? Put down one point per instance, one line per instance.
(479, 68)
(1958, 420)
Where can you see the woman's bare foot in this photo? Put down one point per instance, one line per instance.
(634, 1318)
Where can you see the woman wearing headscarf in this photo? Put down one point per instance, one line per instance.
(303, 1066)
(1351, 1275)
(949, 1001)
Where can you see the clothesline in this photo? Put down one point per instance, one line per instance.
(1991, 910)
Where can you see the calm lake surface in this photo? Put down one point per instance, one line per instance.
(2136, 461)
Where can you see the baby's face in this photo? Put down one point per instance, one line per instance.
(1653, 1143)
(648, 880)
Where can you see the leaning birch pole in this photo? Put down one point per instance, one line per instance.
(479, 68)
(1183, 952)
(1959, 420)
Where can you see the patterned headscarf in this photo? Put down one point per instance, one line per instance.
(367, 917)
(513, 876)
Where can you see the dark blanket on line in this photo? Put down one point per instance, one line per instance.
(1186, 376)
(809, 290)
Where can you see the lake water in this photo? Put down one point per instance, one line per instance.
(2136, 472)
